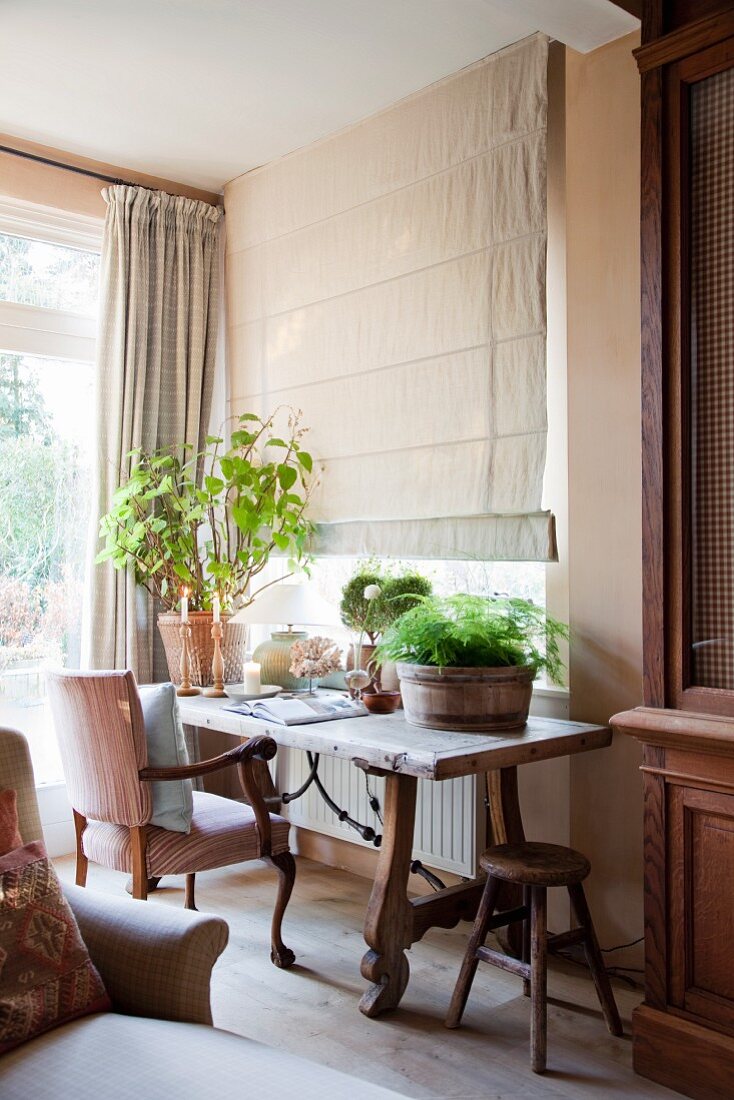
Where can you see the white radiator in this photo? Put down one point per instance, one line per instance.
(446, 815)
(450, 816)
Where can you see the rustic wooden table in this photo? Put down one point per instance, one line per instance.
(389, 746)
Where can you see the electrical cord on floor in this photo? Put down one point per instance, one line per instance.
(619, 946)
(621, 972)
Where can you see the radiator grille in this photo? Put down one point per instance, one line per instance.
(446, 813)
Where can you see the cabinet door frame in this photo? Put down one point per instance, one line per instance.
(685, 804)
(667, 531)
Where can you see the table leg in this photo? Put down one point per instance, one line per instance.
(388, 929)
(505, 827)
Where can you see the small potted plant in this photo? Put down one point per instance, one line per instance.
(206, 524)
(390, 594)
(468, 662)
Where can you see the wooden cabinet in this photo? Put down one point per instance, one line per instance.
(684, 1032)
(701, 874)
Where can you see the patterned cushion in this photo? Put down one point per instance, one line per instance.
(172, 802)
(222, 832)
(9, 835)
(46, 975)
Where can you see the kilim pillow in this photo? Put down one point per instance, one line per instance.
(46, 974)
(9, 835)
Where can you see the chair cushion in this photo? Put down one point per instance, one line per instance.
(222, 832)
(117, 1057)
(173, 805)
(46, 975)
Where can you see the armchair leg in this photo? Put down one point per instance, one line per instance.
(139, 844)
(189, 900)
(152, 885)
(80, 824)
(284, 863)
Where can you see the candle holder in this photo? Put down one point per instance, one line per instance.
(185, 666)
(217, 691)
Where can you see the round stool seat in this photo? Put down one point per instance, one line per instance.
(535, 864)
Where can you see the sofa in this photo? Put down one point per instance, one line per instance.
(158, 1042)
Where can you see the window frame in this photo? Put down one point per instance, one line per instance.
(57, 334)
(41, 330)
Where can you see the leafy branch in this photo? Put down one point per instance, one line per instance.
(211, 521)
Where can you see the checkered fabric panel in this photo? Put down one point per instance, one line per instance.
(16, 773)
(153, 960)
(712, 391)
(119, 1057)
(222, 832)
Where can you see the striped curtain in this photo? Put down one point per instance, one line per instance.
(155, 369)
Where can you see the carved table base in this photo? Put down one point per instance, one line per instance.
(394, 921)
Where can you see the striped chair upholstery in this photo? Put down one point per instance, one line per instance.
(101, 734)
(222, 832)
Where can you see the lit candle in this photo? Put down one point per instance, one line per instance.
(216, 607)
(252, 678)
(184, 605)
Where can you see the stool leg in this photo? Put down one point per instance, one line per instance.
(538, 979)
(526, 938)
(470, 963)
(595, 960)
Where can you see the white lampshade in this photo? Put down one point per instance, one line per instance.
(292, 604)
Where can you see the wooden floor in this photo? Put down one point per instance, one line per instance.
(312, 1009)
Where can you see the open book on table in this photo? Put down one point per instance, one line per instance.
(297, 712)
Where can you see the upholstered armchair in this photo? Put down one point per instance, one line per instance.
(101, 733)
(158, 1042)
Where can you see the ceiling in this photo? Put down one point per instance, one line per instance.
(200, 91)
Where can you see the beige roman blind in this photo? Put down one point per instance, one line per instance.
(389, 281)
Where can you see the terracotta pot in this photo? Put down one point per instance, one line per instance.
(471, 700)
(234, 637)
(388, 675)
(381, 702)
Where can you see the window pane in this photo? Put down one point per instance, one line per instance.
(513, 578)
(37, 273)
(46, 439)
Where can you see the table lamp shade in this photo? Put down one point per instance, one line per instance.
(290, 604)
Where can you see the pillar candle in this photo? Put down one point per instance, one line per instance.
(252, 678)
(185, 606)
(216, 607)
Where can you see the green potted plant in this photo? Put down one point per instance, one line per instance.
(372, 614)
(468, 662)
(206, 524)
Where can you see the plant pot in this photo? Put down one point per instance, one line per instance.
(234, 637)
(470, 700)
(388, 675)
(381, 702)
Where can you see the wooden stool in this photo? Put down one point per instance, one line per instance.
(535, 867)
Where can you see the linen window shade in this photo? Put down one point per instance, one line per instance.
(389, 281)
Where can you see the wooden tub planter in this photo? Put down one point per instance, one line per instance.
(472, 700)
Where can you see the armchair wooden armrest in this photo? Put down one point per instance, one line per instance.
(241, 757)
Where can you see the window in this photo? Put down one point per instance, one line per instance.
(329, 575)
(526, 579)
(48, 303)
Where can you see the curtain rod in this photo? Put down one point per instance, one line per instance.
(59, 164)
